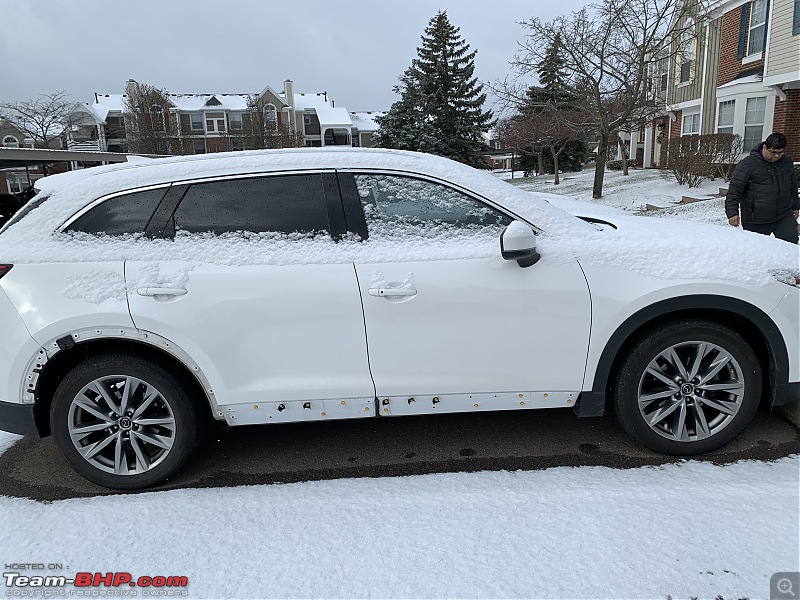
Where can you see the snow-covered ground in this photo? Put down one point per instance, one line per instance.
(686, 530)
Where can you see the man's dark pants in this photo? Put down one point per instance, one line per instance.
(785, 229)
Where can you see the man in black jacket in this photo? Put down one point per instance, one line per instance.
(764, 189)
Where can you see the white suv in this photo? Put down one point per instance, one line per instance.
(139, 302)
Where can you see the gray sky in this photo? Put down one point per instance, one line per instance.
(353, 49)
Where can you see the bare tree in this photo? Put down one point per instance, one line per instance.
(147, 120)
(44, 119)
(608, 51)
(261, 129)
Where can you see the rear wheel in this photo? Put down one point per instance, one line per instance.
(123, 422)
(688, 388)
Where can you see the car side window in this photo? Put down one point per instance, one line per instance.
(280, 203)
(391, 202)
(120, 215)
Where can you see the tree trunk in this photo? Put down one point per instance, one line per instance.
(600, 167)
(555, 163)
(625, 149)
(540, 155)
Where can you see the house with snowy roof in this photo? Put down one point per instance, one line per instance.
(199, 123)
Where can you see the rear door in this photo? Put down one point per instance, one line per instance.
(255, 300)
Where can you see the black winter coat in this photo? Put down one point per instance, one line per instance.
(761, 191)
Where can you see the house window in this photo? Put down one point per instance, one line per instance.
(199, 146)
(755, 32)
(686, 52)
(691, 124)
(663, 67)
(754, 121)
(235, 120)
(10, 142)
(270, 117)
(196, 120)
(725, 116)
(215, 122)
(796, 18)
(356, 137)
(157, 117)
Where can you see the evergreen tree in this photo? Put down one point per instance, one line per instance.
(554, 101)
(440, 108)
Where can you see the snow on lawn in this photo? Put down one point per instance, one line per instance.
(690, 529)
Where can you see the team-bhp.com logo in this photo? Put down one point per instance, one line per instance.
(90, 584)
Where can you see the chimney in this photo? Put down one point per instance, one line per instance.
(131, 88)
(288, 91)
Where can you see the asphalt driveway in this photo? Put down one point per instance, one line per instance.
(384, 447)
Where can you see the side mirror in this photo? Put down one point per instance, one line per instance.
(518, 242)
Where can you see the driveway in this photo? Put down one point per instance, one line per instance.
(385, 447)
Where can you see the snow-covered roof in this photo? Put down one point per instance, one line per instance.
(108, 103)
(365, 121)
(742, 80)
(326, 113)
(194, 102)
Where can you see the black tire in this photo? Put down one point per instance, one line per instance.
(125, 443)
(715, 407)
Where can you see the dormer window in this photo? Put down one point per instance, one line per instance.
(10, 142)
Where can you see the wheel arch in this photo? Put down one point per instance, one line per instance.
(52, 371)
(758, 329)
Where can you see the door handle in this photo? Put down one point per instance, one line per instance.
(391, 292)
(161, 291)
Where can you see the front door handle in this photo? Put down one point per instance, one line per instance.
(161, 291)
(391, 292)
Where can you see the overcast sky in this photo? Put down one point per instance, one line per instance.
(353, 49)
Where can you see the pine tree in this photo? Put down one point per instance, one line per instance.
(440, 108)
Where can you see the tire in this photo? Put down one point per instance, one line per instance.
(120, 441)
(670, 403)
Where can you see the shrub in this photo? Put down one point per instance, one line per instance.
(614, 165)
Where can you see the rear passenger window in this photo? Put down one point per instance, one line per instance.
(129, 213)
(283, 204)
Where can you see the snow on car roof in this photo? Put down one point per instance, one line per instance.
(660, 249)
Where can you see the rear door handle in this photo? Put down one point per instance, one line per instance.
(161, 291)
(390, 292)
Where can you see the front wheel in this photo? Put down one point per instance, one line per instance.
(123, 422)
(687, 388)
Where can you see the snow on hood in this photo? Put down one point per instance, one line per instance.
(657, 248)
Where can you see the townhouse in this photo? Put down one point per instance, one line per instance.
(735, 69)
(200, 123)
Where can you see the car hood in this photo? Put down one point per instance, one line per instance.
(674, 249)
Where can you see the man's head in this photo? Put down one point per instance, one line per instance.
(774, 147)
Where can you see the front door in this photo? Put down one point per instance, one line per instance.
(451, 326)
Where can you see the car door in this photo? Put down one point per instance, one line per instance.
(252, 301)
(451, 326)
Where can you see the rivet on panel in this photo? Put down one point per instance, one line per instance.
(255, 406)
(306, 404)
(366, 408)
(385, 410)
(520, 395)
(522, 404)
(475, 405)
(343, 402)
(569, 401)
(546, 395)
(323, 414)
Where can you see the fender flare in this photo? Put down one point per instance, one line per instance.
(592, 403)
